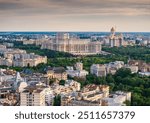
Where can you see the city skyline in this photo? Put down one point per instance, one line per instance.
(79, 15)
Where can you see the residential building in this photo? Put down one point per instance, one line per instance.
(117, 99)
(144, 73)
(36, 96)
(31, 60)
(69, 101)
(70, 88)
(17, 57)
(8, 44)
(58, 73)
(98, 70)
(78, 72)
(142, 66)
(104, 69)
(90, 95)
(2, 47)
(112, 67)
(25, 42)
(133, 68)
(72, 83)
(6, 62)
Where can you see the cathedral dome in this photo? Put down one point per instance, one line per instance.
(112, 29)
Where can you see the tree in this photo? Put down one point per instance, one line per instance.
(112, 85)
(51, 81)
(62, 82)
(137, 100)
(147, 92)
(57, 100)
(123, 72)
(127, 80)
(110, 79)
(127, 102)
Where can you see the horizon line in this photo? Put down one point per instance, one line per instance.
(71, 31)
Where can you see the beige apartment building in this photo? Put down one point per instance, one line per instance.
(90, 95)
(58, 73)
(32, 97)
(30, 61)
(38, 95)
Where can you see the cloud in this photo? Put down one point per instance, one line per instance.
(5, 5)
(75, 7)
(36, 13)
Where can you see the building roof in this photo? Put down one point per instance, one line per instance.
(34, 89)
(56, 69)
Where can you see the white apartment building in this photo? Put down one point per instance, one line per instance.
(112, 67)
(49, 96)
(117, 99)
(104, 69)
(98, 70)
(116, 64)
(78, 72)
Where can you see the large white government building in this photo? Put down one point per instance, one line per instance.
(63, 42)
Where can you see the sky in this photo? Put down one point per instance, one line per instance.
(75, 15)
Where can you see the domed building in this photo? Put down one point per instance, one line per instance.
(115, 40)
(113, 30)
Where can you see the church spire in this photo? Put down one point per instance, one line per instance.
(113, 30)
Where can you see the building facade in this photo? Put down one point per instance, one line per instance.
(57, 73)
(98, 70)
(75, 46)
(116, 40)
(36, 96)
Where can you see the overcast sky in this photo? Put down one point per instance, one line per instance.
(74, 15)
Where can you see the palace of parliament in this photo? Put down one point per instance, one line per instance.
(63, 42)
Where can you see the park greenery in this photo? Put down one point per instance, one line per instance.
(133, 52)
